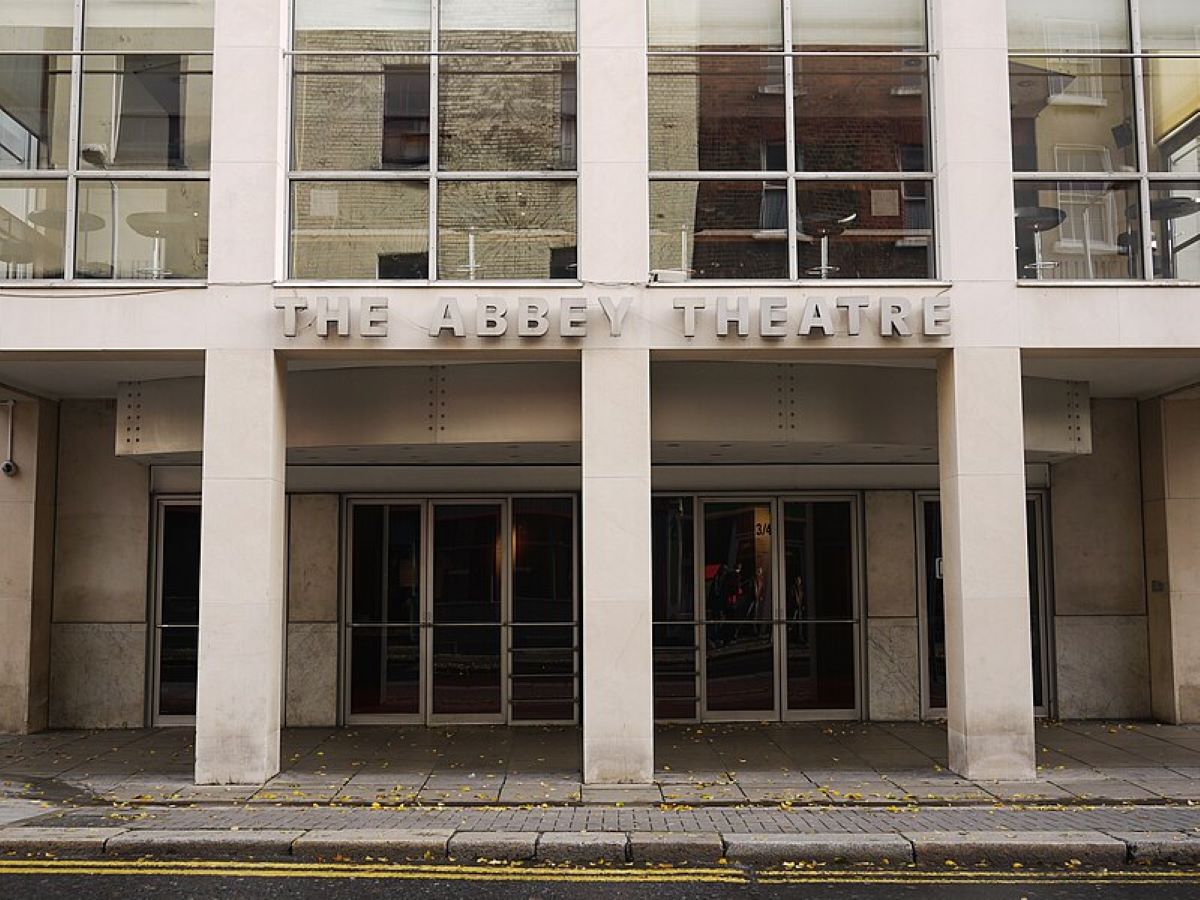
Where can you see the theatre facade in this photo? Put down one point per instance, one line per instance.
(599, 365)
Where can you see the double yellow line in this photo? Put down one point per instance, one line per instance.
(547, 873)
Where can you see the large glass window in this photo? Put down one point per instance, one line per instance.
(444, 153)
(1105, 98)
(750, 116)
(142, 73)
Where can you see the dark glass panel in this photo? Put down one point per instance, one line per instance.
(820, 665)
(740, 667)
(543, 673)
(177, 670)
(718, 229)
(861, 114)
(466, 563)
(180, 565)
(819, 561)
(466, 670)
(869, 229)
(935, 606)
(543, 560)
(33, 220)
(675, 672)
(404, 564)
(716, 113)
(367, 563)
(385, 671)
(673, 553)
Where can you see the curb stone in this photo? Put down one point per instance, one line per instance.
(582, 846)
(202, 844)
(676, 847)
(64, 842)
(511, 846)
(1159, 848)
(775, 849)
(396, 844)
(1003, 848)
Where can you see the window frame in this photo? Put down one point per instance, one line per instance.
(793, 75)
(73, 175)
(1144, 178)
(432, 175)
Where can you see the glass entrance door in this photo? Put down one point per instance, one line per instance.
(739, 602)
(466, 612)
(461, 610)
(177, 611)
(934, 606)
(779, 626)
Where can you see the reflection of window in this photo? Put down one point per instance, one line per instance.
(564, 262)
(1074, 79)
(405, 117)
(149, 130)
(569, 106)
(1091, 209)
(773, 215)
(914, 194)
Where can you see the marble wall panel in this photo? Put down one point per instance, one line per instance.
(893, 670)
(97, 675)
(891, 554)
(313, 558)
(1103, 667)
(312, 674)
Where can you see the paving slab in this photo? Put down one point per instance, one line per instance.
(242, 844)
(714, 794)
(582, 847)
(376, 843)
(57, 842)
(621, 793)
(676, 847)
(1161, 848)
(776, 849)
(1027, 791)
(1106, 790)
(511, 846)
(1003, 848)
(534, 790)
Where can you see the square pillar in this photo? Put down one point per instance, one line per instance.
(1170, 436)
(981, 461)
(618, 679)
(27, 500)
(614, 179)
(242, 536)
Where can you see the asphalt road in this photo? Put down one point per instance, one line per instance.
(72, 881)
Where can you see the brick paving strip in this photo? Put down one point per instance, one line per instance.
(754, 837)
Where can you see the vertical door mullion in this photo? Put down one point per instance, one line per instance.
(700, 607)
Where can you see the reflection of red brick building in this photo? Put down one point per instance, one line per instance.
(721, 113)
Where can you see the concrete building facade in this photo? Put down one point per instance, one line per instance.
(600, 364)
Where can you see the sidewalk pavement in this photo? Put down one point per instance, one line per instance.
(1107, 795)
(809, 763)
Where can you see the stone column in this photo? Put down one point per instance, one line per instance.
(242, 535)
(981, 460)
(26, 564)
(618, 683)
(1170, 430)
(614, 190)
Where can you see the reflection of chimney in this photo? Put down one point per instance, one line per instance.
(95, 154)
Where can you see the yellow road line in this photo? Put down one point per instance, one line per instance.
(517, 872)
(352, 870)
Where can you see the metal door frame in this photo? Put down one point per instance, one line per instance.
(856, 582)
(702, 501)
(426, 504)
(428, 624)
(776, 504)
(1039, 498)
(161, 503)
